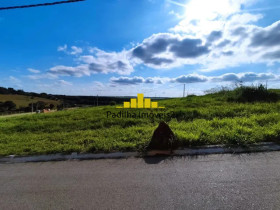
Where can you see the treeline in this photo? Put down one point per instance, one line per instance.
(69, 101)
(12, 91)
(7, 106)
(10, 107)
(73, 101)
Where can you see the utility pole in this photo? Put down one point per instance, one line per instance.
(97, 101)
(184, 90)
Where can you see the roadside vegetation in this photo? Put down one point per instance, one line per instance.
(242, 116)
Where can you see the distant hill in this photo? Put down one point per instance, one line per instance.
(69, 101)
(24, 101)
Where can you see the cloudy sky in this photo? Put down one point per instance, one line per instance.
(124, 47)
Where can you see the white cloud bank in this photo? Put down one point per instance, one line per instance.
(233, 44)
(97, 62)
(197, 78)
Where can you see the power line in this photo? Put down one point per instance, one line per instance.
(40, 5)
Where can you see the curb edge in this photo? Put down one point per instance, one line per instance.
(203, 150)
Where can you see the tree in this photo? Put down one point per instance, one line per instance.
(112, 103)
(60, 107)
(20, 92)
(51, 106)
(11, 90)
(40, 105)
(2, 108)
(43, 95)
(10, 105)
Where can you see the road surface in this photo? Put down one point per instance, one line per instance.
(248, 181)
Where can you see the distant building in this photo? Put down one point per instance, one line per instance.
(46, 110)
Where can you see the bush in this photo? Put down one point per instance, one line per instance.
(112, 103)
(252, 94)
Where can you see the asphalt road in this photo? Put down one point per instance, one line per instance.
(203, 182)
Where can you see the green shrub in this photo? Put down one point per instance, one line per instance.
(112, 103)
(253, 94)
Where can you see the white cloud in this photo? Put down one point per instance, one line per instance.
(98, 84)
(76, 50)
(197, 78)
(127, 80)
(14, 80)
(191, 78)
(101, 62)
(33, 71)
(42, 76)
(166, 50)
(73, 51)
(177, 15)
(63, 83)
(62, 48)
(138, 80)
(245, 77)
(176, 3)
(77, 71)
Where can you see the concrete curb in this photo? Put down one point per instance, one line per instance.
(205, 150)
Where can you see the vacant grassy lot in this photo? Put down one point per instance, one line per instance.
(196, 121)
(23, 101)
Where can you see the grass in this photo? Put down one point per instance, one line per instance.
(24, 101)
(197, 120)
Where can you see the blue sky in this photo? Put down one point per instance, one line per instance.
(124, 47)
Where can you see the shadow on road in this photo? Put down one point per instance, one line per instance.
(165, 158)
(156, 159)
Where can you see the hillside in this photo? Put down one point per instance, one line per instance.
(195, 120)
(68, 101)
(24, 101)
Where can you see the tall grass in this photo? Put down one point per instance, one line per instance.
(252, 94)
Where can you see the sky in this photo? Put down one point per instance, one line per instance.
(124, 47)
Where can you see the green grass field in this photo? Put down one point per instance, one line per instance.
(198, 120)
(23, 101)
